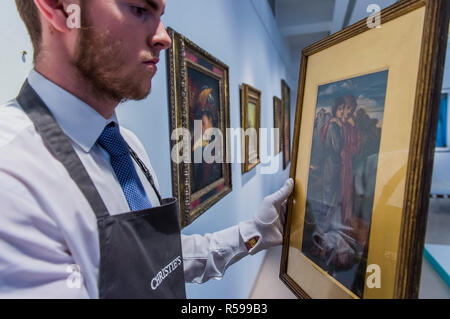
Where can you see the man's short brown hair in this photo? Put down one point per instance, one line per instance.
(30, 16)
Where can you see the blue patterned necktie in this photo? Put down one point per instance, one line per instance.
(121, 162)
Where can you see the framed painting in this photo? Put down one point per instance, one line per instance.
(199, 110)
(277, 114)
(286, 123)
(250, 123)
(364, 136)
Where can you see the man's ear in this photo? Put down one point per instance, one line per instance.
(54, 13)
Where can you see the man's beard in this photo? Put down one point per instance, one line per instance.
(99, 60)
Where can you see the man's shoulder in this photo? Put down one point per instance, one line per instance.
(21, 146)
(13, 121)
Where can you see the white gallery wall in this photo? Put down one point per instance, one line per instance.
(14, 39)
(243, 35)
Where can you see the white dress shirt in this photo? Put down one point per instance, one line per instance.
(47, 227)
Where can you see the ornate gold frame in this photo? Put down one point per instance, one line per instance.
(249, 95)
(408, 257)
(179, 118)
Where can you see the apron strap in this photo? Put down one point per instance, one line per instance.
(146, 172)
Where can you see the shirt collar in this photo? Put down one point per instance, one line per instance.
(77, 119)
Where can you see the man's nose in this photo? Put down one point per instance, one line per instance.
(161, 38)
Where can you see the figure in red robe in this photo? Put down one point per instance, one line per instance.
(349, 150)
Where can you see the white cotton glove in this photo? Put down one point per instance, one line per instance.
(266, 228)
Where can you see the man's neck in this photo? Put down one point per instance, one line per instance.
(72, 81)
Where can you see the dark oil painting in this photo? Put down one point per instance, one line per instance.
(204, 106)
(199, 110)
(342, 176)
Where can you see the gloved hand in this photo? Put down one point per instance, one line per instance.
(266, 228)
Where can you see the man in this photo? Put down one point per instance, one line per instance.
(77, 191)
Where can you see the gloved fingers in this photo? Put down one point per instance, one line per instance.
(283, 193)
(270, 209)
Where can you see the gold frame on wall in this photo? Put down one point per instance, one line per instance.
(277, 115)
(286, 123)
(402, 182)
(182, 56)
(250, 95)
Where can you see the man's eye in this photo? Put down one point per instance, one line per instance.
(138, 11)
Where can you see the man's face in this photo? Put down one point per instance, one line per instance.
(119, 46)
(340, 111)
(348, 111)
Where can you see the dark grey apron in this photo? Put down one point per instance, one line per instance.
(140, 252)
